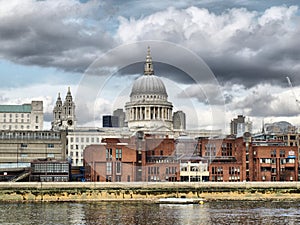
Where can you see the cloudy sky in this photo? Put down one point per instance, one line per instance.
(218, 59)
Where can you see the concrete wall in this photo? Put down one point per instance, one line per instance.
(103, 191)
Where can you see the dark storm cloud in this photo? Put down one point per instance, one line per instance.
(71, 35)
(267, 104)
(240, 46)
(58, 37)
(161, 70)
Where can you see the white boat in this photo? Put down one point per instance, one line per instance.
(180, 201)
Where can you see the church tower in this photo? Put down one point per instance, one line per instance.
(64, 113)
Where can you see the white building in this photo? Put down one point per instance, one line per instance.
(82, 137)
(22, 117)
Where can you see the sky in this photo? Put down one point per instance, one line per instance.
(218, 59)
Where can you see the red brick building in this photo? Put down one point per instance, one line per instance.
(225, 158)
(238, 159)
(154, 158)
(113, 160)
(147, 158)
(275, 163)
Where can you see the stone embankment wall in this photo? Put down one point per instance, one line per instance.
(88, 191)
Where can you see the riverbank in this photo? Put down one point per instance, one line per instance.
(140, 191)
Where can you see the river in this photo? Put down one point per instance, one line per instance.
(125, 213)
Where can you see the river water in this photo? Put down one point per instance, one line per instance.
(216, 212)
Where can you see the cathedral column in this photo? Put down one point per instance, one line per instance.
(158, 112)
(141, 113)
(134, 110)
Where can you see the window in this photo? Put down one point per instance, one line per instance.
(290, 160)
(23, 145)
(108, 154)
(119, 154)
(72, 139)
(118, 168)
(50, 155)
(108, 168)
(282, 153)
(36, 119)
(50, 145)
(87, 139)
(273, 153)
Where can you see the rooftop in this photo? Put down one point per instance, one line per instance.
(25, 108)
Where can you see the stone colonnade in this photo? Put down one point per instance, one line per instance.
(150, 113)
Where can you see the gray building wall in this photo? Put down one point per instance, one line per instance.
(19, 148)
(179, 121)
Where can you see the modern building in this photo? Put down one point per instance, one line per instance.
(138, 158)
(148, 107)
(22, 117)
(120, 114)
(78, 140)
(244, 159)
(179, 121)
(110, 121)
(194, 171)
(275, 163)
(19, 148)
(64, 117)
(239, 126)
(49, 170)
(281, 127)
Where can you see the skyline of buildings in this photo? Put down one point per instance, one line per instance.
(153, 144)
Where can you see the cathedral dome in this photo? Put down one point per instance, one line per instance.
(149, 85)
(148, 107)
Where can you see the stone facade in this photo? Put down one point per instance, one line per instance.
(148, 107)
(64, 117)
(22, 117)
